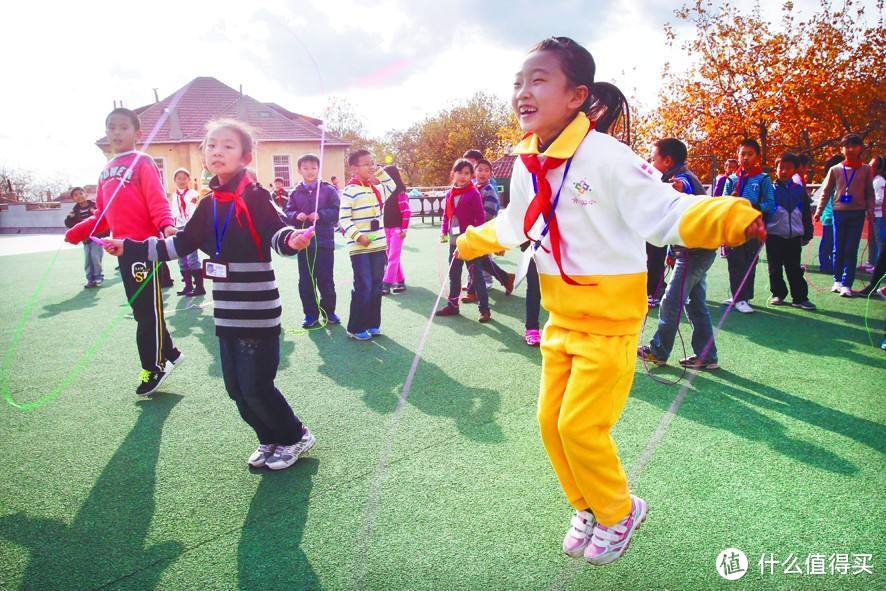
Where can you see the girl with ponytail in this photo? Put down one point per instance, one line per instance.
(587, 204)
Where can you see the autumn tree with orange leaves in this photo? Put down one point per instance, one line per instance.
(798, 85)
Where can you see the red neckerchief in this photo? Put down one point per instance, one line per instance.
(356, 181)
(743, 176)
(541, 205)
(182, 206)
(450, 198)
(852, 163)
(240, 209)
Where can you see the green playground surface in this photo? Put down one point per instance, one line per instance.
(780, 453)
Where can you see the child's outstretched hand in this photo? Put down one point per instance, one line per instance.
(298, 241)
(757, 230)
(113, 246)
(170, 231)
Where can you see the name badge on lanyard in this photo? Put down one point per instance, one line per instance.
(213, 268)
(846, 197)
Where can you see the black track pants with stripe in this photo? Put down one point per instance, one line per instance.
(151, 337)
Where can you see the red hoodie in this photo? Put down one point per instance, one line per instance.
(140, 208)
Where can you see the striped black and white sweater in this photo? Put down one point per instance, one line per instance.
(248, 303)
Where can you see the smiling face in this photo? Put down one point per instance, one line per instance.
(309, 170)
(364, 169)
(484, 173)
(121, 133)
(544, 99)
(181, 181)
(223, 153)
(79, 197)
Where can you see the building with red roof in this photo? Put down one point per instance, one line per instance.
(282, 136)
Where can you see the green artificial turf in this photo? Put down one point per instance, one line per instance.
(781, 451)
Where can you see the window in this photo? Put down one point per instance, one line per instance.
(283, 169)
(161, 164)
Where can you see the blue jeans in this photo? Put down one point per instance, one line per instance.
(369, 273)
(475, 272)
(826, 249)
(92, 261)
(688, 279)
(249, 366)
(876, 235)
(848, 226)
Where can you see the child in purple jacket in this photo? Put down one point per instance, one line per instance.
(464, 208)
(303, 209)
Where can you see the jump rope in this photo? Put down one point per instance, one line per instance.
(91, 351)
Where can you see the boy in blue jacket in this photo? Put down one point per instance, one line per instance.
(315, 263)
(751, 183)
(789, 230)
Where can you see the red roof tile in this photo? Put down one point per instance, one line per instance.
(502, 168)
(206, 98)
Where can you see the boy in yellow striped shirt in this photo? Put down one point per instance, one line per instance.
(360, 218)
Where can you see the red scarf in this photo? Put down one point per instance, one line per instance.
(743, 176)
(355, 181)
(182, 206)
(541, 205)
(852, 163)
(450, 198)
(240, 209)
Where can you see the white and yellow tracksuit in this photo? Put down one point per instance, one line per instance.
(611, 204)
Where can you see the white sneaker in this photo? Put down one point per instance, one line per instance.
(286, 455)
(744, 307)
(727, 302)
(261, 455)
(845, 292)
(580, 533)
(836, 287)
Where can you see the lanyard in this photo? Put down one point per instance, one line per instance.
(544, 231)
(848, 178)
(220, 238)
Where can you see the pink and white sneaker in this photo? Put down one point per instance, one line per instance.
(533, 337)
(609, 543)
(579, 535)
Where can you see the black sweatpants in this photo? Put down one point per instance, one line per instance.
(785, 253)
(740, 259)
(153, 340)
(655, 268)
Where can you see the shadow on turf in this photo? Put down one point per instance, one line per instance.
(727, 406)
(269, 554)
(85, 298)
(106, 539)
(378, 369)
(198, 322)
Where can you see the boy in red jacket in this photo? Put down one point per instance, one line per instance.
(131, 203)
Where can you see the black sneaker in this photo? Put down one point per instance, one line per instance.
(151, 380)
(399, 288)
(807, 305)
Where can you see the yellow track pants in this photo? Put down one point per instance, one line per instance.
(585, 383)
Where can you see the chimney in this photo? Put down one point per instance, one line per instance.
(156, 96)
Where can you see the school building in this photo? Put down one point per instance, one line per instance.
(282, 136)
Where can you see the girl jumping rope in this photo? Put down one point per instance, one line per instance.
(589, 204)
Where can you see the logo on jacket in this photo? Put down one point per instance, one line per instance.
(582, 187)
(139, 272)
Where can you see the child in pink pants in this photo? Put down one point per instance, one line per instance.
(396, 219)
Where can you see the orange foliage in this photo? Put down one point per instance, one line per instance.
(798, 85)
